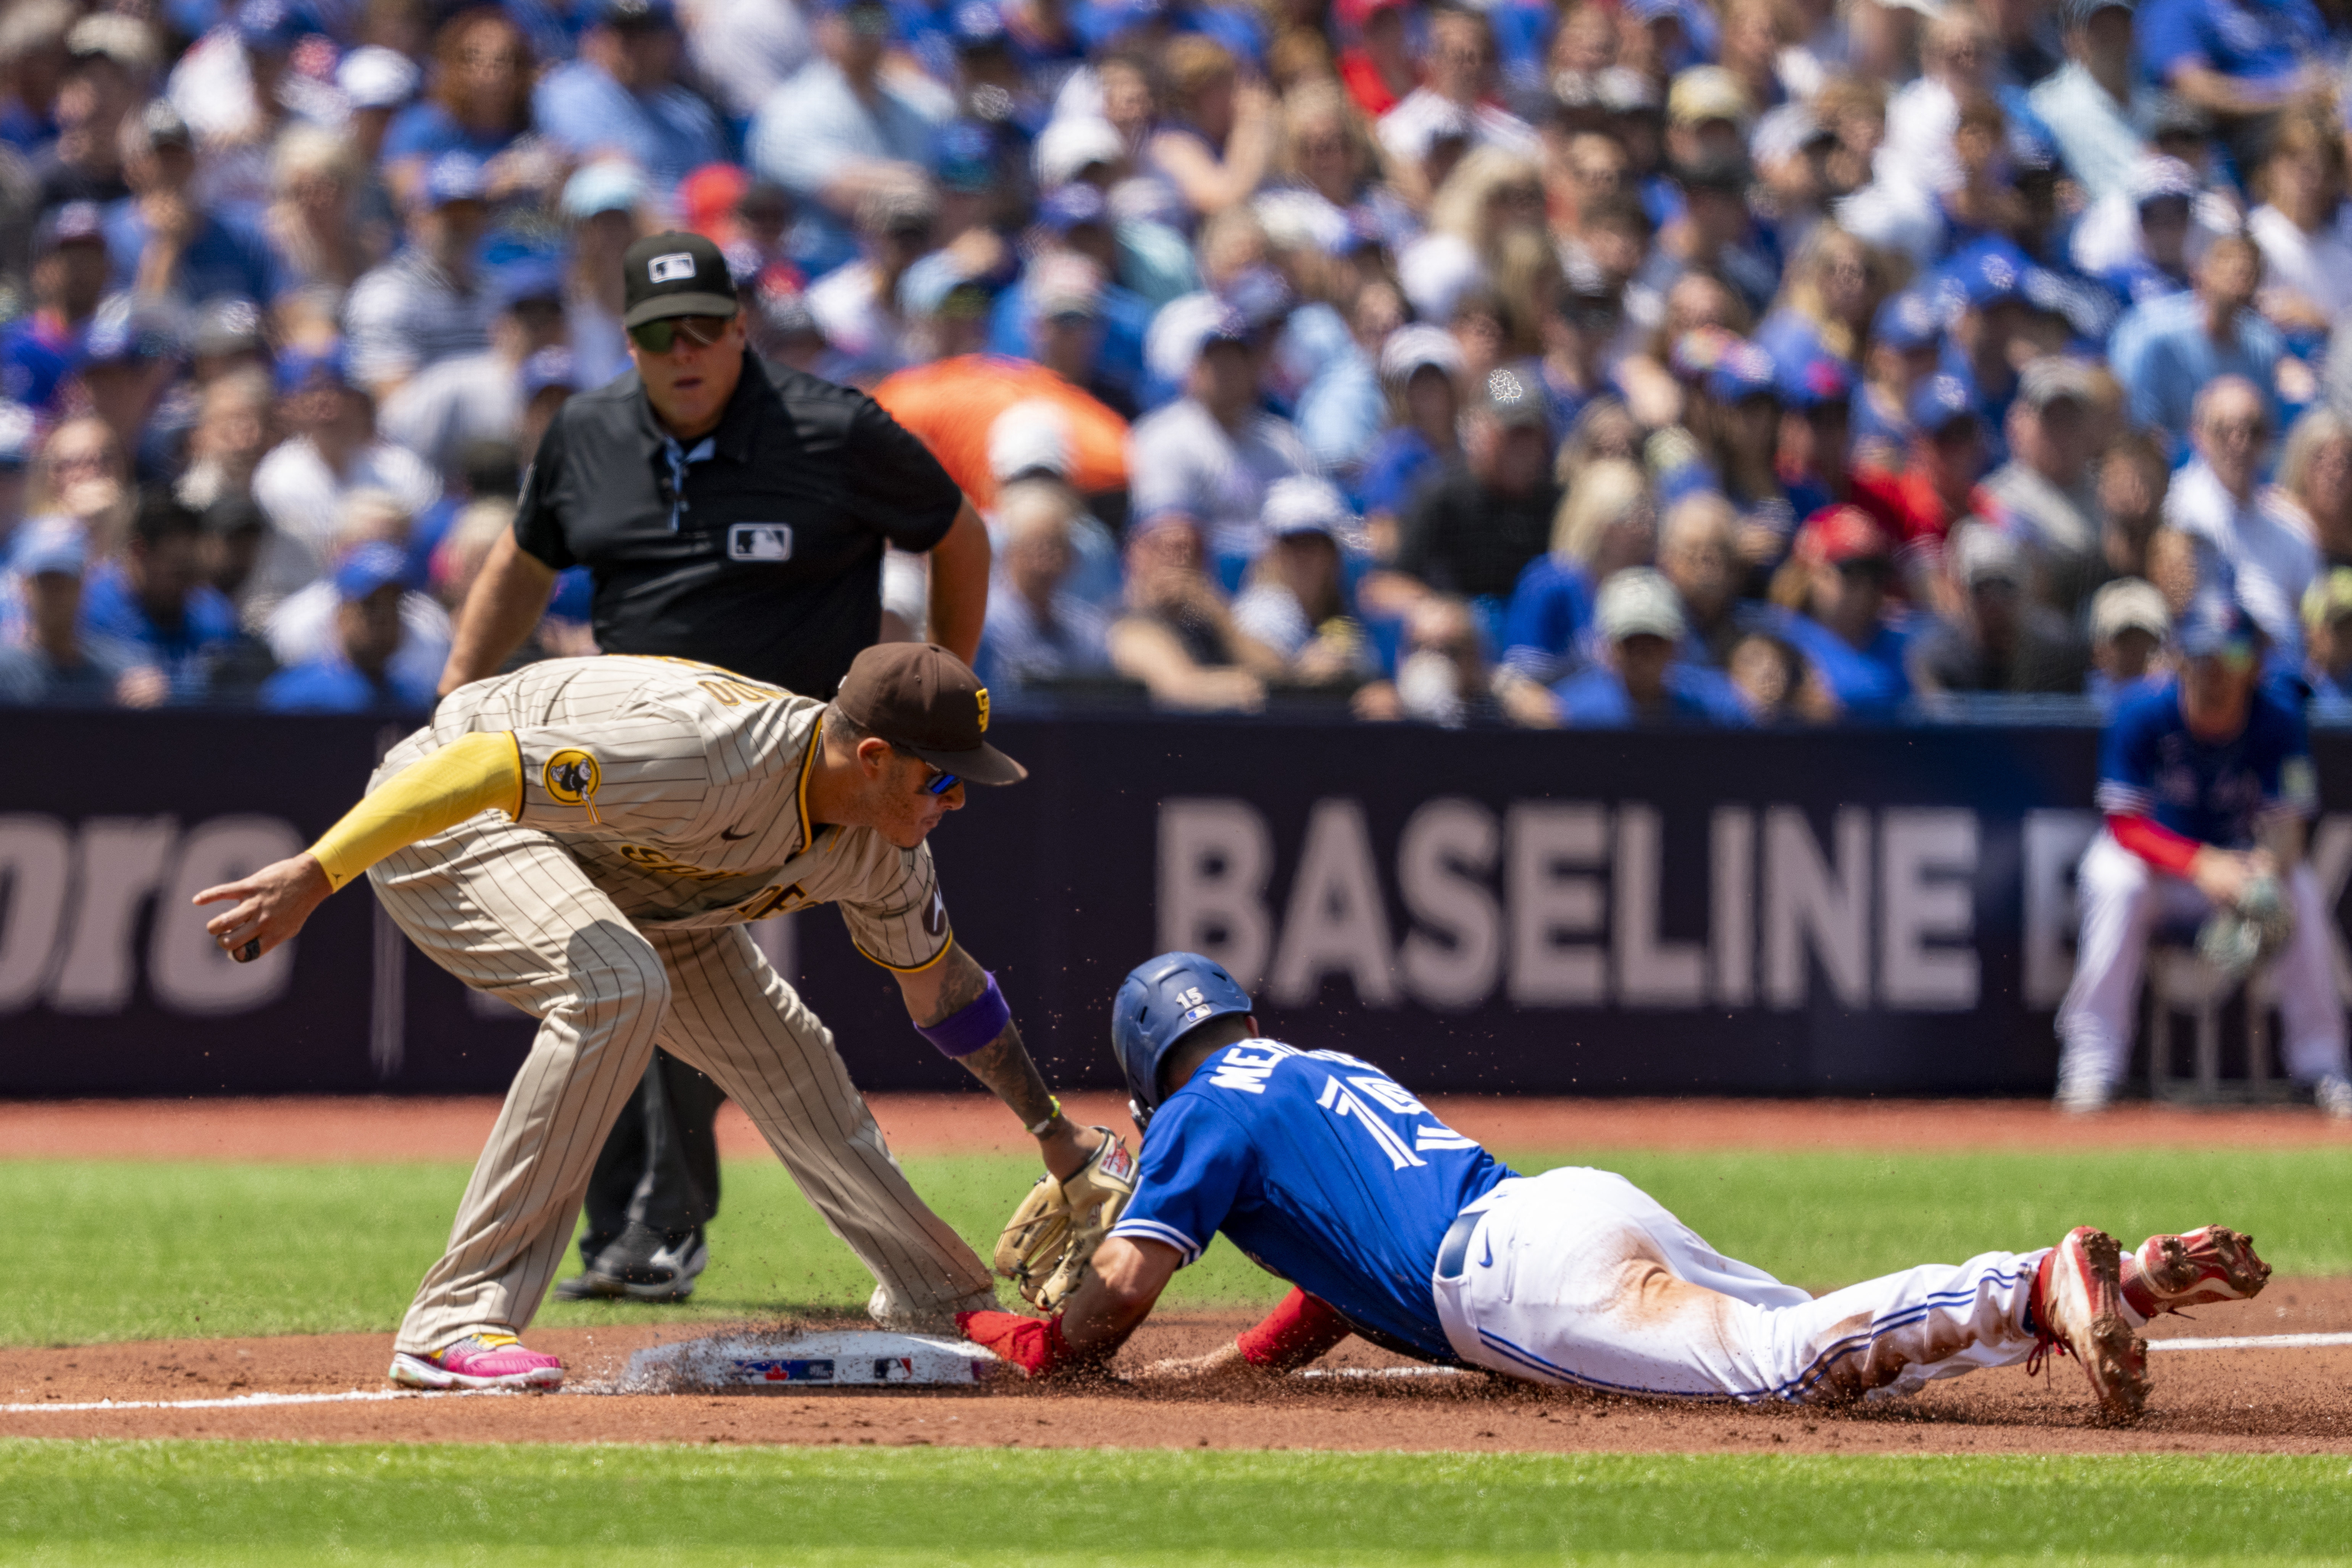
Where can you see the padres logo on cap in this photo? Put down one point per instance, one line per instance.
(982, 695)
(571, 776)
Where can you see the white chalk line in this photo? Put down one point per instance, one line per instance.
(2255, 1342)
(256, 1400)
(374, 1395)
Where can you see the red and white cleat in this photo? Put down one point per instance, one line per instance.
(478, 1361)
(2078, 1311)
(2204, 1267)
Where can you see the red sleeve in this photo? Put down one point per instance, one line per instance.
(1293, 1334)
(2153, 842)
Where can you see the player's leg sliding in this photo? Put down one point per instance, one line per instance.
(1578, 1278)
(2202, 1268)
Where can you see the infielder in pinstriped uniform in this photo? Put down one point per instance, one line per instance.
(585, 838)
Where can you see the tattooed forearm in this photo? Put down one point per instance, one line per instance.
(954, 984)
(1003, 1065)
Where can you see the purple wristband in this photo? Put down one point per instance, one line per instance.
(973, 1025)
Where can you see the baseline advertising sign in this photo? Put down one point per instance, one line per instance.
(1845, 911)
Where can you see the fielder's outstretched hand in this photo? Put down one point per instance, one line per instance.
(272, 904)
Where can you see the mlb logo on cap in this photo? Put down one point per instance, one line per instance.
(674, 274)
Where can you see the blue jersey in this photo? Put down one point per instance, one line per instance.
(2216, 792)
(1325, 1170)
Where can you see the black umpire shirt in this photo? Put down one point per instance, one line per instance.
(766, 556)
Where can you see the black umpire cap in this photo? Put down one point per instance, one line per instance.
(675, 274)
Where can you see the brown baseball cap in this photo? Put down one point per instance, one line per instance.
(922, 699)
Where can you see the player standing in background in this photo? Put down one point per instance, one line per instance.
(732, 511)
(585, 839)
(2208, 785)
(1327, 1173)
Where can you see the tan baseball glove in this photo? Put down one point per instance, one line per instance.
(2256, 929)
(1052, 1236)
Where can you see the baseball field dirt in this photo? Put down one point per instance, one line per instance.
(2291, 1398)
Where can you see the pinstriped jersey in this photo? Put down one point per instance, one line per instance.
(682, 790)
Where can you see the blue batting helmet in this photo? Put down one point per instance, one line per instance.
(1160, 1002)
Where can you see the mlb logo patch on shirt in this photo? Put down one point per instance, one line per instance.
(669, 268)
(759, 542)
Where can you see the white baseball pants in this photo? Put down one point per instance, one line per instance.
(1577, 1278)
(2123, 899)
(506, 910)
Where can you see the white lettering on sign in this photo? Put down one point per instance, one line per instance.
(1452, 956)
(1337, 921)
(73, 902)
(1215, 856)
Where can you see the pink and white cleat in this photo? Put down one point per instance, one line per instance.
(2209, 1265)
(2078, 1311)
(478, 1361)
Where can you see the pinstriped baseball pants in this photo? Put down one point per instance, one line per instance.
(506, 910)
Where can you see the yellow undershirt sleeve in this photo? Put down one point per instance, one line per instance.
(470, 775)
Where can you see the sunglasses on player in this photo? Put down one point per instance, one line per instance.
(700, 331)
(936, 781)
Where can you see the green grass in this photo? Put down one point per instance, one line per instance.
(110, 1250)
(198, 1503)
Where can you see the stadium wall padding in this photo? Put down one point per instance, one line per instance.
(1850, 911)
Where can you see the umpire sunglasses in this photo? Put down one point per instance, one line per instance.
(656, 336)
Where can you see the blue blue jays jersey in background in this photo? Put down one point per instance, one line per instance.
(2214, 792)
(1323, 1170)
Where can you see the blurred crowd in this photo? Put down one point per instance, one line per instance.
(1607, 362)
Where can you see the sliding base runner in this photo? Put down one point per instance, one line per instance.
(1331, 1174)
(585, 838)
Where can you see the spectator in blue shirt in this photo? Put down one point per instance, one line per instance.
(623, 95)
(2236, 59)
(1420, 365)
(154, 600)
(56, 662)
(1038, 630)
(429, 302)
(1640, 680)
(836, 129)
(2166, 349)
(478, 101)
(162, 239)
(1829, 603)
(2098, 115)
(358, 674)
(41, 348)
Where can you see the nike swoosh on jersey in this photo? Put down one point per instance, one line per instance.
(731, 835)
(1488, 1243)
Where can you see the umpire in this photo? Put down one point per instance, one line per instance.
(734, 512)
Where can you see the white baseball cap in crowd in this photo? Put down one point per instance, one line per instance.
(373, 77)
(1069, 144)
(1983, 553)
(1030, 436)
(1637, 602)
(2129, 604)
(1414, 347)
(1302, 503)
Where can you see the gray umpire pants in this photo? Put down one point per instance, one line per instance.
(506, 910)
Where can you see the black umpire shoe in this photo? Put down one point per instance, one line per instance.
(642, 1265)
